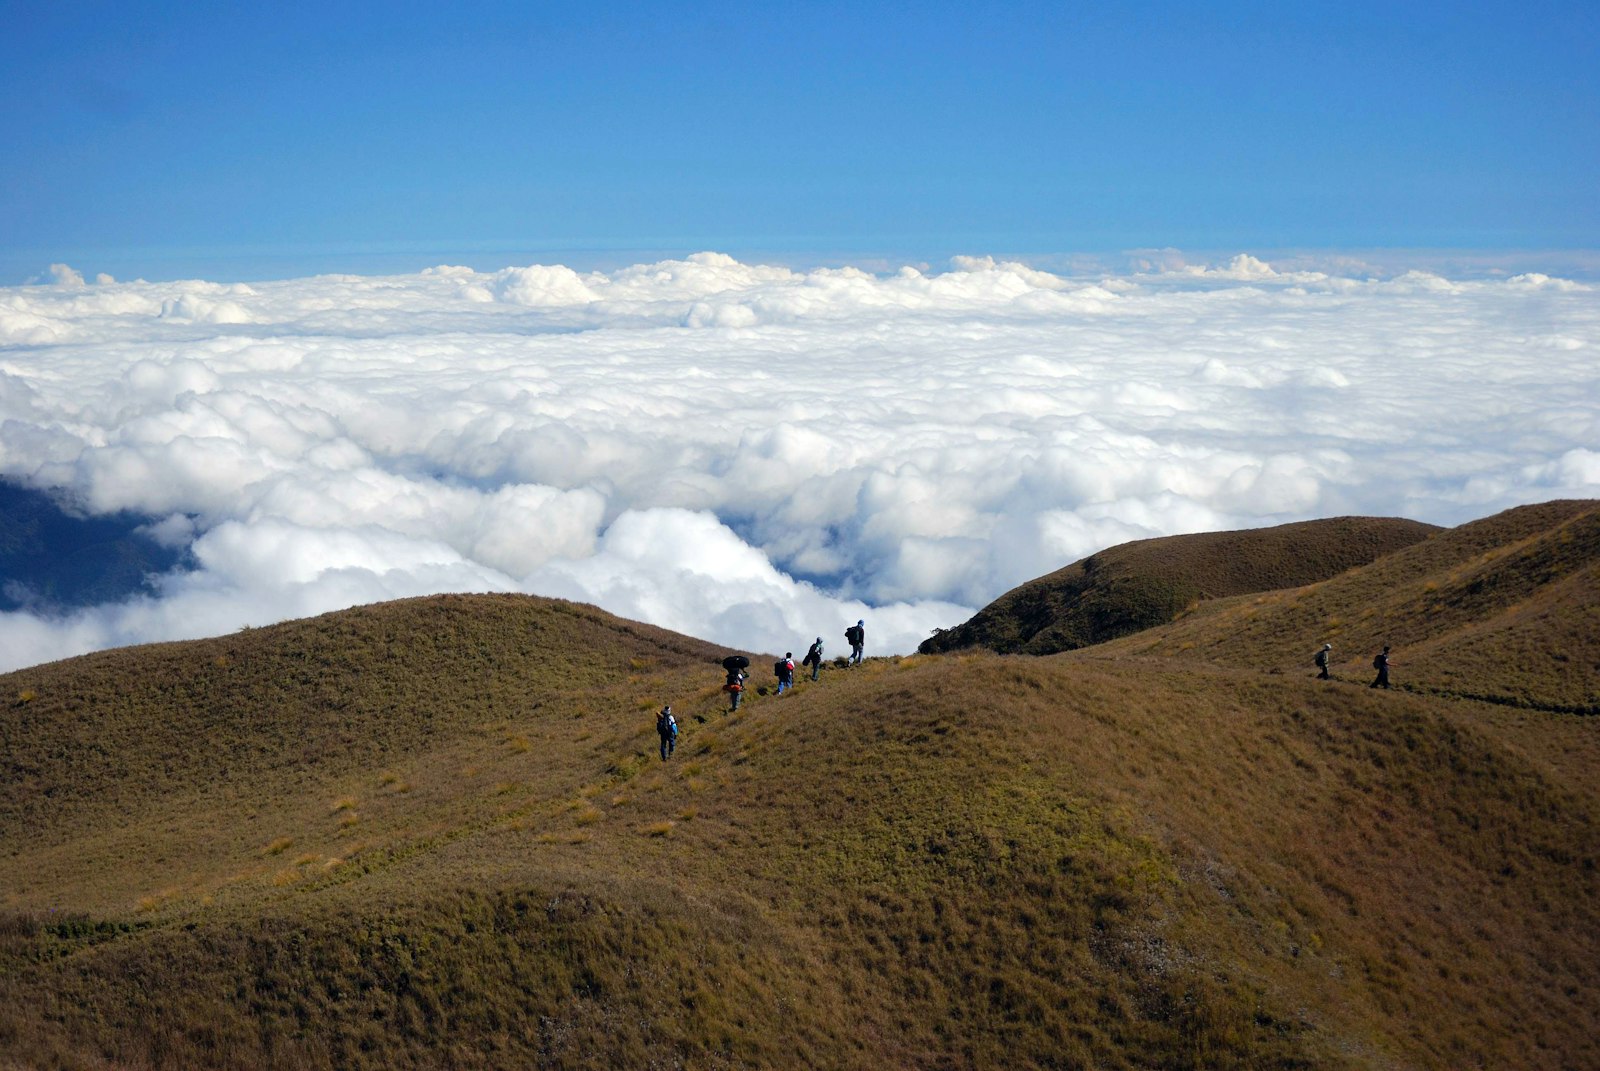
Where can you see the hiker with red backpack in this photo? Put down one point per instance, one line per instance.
(735, 665)
(783, 669)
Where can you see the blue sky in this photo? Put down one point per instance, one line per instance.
(279, 139)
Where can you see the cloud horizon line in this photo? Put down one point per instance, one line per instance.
(759, 447)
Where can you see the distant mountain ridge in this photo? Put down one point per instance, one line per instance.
(52, 558)
(1149, 582)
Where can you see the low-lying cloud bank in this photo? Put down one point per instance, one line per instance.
(759, 456)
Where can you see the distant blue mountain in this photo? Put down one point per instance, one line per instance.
(52, 558)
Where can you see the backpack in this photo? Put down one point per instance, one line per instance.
(778, 667)
(1322, 658)
(1377, 661)
(666, 725)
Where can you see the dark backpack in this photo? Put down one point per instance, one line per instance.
(1379, 661)
(1322, 658)
(777, 668)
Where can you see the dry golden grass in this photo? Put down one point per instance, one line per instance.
(967, 861)
(1506, 610)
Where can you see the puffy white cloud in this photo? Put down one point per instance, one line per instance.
(754, 454)
(689, 572)
(255, 574)
(1242, 267)
(62, 275)
(19, 328)
(541, 286)
(204, 310)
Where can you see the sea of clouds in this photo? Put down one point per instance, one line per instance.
(757, 455)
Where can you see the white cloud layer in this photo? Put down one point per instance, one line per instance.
(755, 455)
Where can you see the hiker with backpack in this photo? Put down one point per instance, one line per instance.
(783, 669)
(667, 729)
(735, 665)
(1381, 663)
(856, 636)
(1322, 659)
(813, 658)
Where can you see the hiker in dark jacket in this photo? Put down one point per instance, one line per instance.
(813, 658)
(1323, 657)
(856, 634)
(1381, 663)
(784, 671)
(735, 665)
(667, 729)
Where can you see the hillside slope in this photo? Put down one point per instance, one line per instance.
(289, 718)
(1149, 582)
(405, 836)
(1505, 609)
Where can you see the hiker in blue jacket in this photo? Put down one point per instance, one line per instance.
(667, 729)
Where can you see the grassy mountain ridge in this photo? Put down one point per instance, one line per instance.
(1505, 609)
(1148, 582)
(435, 834)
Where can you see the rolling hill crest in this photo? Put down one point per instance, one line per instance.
(1149, 582)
